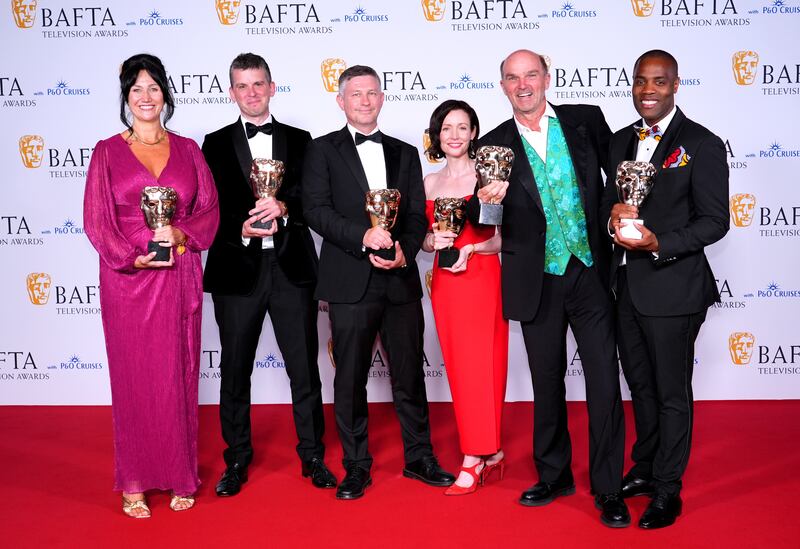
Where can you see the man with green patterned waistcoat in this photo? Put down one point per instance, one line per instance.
(555, 263)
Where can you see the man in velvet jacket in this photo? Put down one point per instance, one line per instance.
(554, 273)
(664, 284)
(251, 272)
(367, 294)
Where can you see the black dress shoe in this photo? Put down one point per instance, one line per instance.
(661, 512)
(354, 483)
(636, 486)
(321, 477)
(543, 493)
(232, 479)
(428, 471)
(614, 511)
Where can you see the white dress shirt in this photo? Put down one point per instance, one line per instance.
(538, 140)
(372, 160)
(260, 147)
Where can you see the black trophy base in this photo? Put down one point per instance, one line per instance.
(448, 257)
(261, 224)
(491, 214)
(162, 253)
(385, 253)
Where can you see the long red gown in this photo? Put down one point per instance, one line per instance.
(473, 336)
(151, 317)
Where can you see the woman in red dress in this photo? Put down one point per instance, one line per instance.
(466, 302)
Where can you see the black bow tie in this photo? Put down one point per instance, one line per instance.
(252, 129)
(377, 137)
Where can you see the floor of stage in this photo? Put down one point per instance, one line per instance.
(56, 467)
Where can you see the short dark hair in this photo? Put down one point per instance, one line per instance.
(437, 119)
(130, 72)
(355, 71)
(659, 54)
(245, 61)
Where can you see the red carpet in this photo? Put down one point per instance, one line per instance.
(740, 490)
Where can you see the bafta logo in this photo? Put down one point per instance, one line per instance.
(643, 8)
(742, 206)
(433, 9)
(227, 11)
(31, 149)
(331, 69)
(740, 345)
(38, 287)
(745, 66)
(426, 144)
(24, 12)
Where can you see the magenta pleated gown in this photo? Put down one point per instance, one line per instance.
(151, 317)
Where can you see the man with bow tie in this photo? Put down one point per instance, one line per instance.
(664, 284)
(253, 271)
(368, 295)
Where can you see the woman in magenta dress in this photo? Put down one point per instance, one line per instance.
(466, 302)
(151, 309)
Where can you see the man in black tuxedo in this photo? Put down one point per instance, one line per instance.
(664, 284)
(367, 294)
(554, 274)
(251, 271)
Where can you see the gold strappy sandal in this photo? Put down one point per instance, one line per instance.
(129, 507)
(181, 500)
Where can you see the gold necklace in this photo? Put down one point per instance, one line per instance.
(135, 137)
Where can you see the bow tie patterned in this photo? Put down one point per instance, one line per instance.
(654, 132)
(252, 129)
(377, 137)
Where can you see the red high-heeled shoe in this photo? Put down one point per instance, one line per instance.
(499, 465)
(477, 479)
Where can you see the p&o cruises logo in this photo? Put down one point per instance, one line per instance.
(67, 22)
(360, 15)
(775, 79)
(67, 228)
(74, 363)
(569, 11)
(691, 13)
(270, 361)
(773, 290)
(480, 15)
(155, 19)
(779, 7)
(776, 150)
(271, 17)
(63, 89)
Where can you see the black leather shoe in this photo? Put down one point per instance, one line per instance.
(321, 477)
(543, 493)
(354, 483)
(232, 479)
(428, 471)
(661, 512)
(614, 511)
(636, 486)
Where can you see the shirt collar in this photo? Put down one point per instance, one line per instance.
(662, 124)
(548, 111)
(353, 131)
(243, 121)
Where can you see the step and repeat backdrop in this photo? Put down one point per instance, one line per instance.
(59, 94)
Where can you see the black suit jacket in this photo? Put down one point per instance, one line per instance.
(687, 209)
(231, 267)
(524, 224)
(334, 202)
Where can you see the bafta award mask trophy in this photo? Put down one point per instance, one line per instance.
(382, 207)
(492, 163)
(266, 177)
(634, 182)
(450, 215)
(158, 205)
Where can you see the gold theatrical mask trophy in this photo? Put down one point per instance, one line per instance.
(382, 207)
(634, 182)
(158, 205)
(266, 176)
(492, 163)
(450, 214)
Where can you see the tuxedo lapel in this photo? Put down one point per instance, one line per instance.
(522, 168)
(347, 150)
(242, 149)
(391, 156)
(280, 147)
(668, 141)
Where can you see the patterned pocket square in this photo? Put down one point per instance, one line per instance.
(677, 159)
